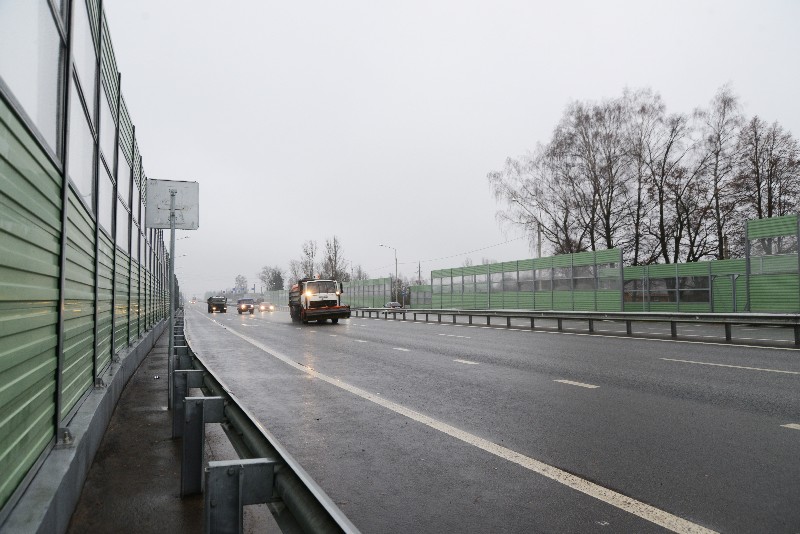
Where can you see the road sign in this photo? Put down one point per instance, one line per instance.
(187, 201)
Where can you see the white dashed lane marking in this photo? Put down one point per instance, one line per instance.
(793, 426)
(400, 349)
(733, 366)
(466, 362)
(581, 384)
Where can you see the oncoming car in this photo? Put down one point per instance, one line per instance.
(393, 304)
(266, 306)
(245, 305)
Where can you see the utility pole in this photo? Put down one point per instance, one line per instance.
(395, 269)
(171, 346)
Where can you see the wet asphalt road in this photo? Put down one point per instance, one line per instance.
(396, 423)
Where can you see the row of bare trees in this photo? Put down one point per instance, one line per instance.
(327, 263)
(666, 187)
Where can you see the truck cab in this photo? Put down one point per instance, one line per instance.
(311, 299)
(217, 303)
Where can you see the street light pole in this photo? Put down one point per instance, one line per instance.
(395, 269)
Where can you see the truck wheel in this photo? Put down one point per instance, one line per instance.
(240, 311)
(303, 317)
(335, 320)
(210, 310)
(251, 312)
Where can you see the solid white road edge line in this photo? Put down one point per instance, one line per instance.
(733, 366)
(606, 495)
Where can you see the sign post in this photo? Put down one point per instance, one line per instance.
(174, 205)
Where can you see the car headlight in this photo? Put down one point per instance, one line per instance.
(272, 308)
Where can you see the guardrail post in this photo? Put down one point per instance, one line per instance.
(532, 325)
(404, 316)
(454, 318)
(488, 320)
(728, 333)
(797, 334)
(470, 319)
(628, 327)
(439, 315)
(230, 485)
(415, 316)
(508, 322)
(182, 381)
(673, 329)
(199, 411)
(591, 326)
(183, 358)
(560, 323)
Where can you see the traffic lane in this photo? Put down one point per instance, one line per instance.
(741, 377)
(668, 372)
(389, 473)
(730, 354)
(608, 432)
(660, 433)
(744, 385)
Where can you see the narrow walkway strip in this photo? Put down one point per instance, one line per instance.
(606, 495)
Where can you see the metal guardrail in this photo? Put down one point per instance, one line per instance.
(727, 320)
(265, 471)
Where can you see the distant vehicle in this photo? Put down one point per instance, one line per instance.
(266, 306)
(393, 304)
(245, 305)
(194, 300)
(217, 303)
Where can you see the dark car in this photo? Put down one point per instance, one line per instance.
(217, 303)
(245, 305)
(393, 304)
(266, 306)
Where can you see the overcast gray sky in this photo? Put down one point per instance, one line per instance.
(378, 121)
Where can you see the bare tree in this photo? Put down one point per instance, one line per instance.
(333, 264)
(645, 110)
(590, 142)
(308, 262)
(721, 125)
(768, 169)
(271, 277)
(241, 284)
(295, 271)
(359, 273)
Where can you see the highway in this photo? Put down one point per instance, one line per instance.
(435, 427)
